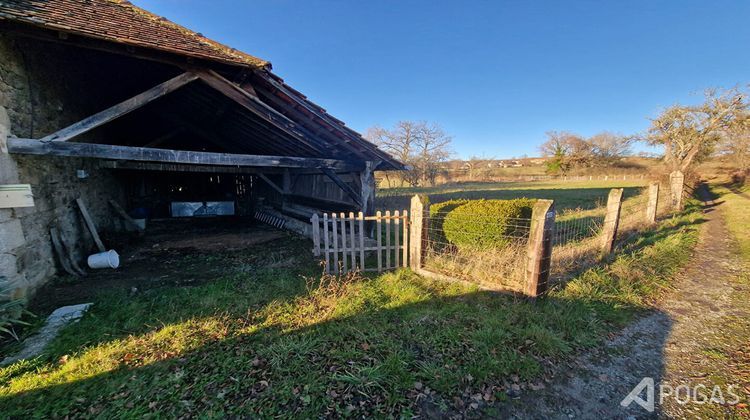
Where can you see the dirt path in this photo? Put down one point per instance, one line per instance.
(688, 340)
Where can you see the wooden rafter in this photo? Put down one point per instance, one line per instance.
(258, 107)
(343, 185)
(125, 107)
(106, 151)
(321, 115)
(271, 183)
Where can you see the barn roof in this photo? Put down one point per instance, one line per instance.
(117, 22)
(121, 22)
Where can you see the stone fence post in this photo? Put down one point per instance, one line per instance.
(539, 248)
(676, 187)
(418, 217)
(611, 220)
(652, 203)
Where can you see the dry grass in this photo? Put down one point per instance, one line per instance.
(569, 259)
(495, 269)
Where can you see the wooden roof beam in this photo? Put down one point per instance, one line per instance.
(145, 154)
(123, 108)
(343, 185)
(258, 107)
(351, 134)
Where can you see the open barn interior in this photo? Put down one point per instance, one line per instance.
(151, 141)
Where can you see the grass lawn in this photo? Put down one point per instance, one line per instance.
(567, 195)
(273, 340)
(736, 200)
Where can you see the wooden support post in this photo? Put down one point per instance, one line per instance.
(335, 238)
(611, 220)
(344, 257)
(367, 191)
(405, 235)
(361, 218)
(90, 225)
(539, 249)
(325, 243)
(388, 249)
(379, 238)
(396, 233)
(419, 212)
(352, 241)
(676, 187)
(315, 222)
(652, 203)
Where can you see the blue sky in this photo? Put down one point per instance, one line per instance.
(495, 74)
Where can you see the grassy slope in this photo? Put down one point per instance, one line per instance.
(737, 214)
(261, 343)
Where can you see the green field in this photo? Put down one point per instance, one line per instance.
(567, 195)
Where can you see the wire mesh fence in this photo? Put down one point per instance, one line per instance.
(477, 241)
(575, 226)
(633, 214)
(482, 249)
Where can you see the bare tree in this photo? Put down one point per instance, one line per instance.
(419, 145)
(607, 148)
(563, 150)
(566, 150)
(690, 133)
(433, 148)
(735, 142)
(557, 144)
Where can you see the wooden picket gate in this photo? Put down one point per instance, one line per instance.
(343, 241)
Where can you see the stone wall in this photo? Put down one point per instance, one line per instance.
(40, 92)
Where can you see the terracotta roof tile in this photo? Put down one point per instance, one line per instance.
(119, 21)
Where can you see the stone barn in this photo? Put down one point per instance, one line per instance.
(138, 118)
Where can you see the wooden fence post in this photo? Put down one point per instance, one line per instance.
(676, 187)
(361, 218)
(611, 220)
(652, 203)
(418, 233)
(325, 243)
(539, 249)
(315, 221)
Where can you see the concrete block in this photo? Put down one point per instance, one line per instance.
(11, 235)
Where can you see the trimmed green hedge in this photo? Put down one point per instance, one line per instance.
(487, 223)
(438, 211)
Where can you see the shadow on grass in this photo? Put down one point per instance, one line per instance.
(454, 344)
(391, 345)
